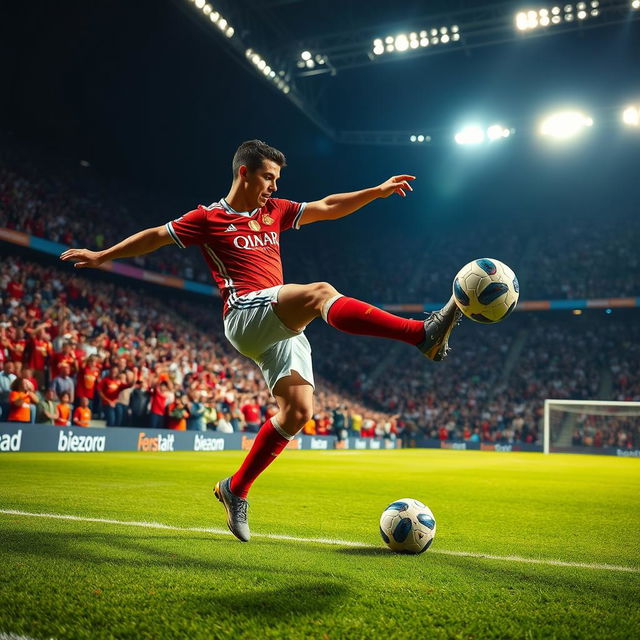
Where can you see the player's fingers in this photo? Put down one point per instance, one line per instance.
(406, 177)
(401, 192)
(407, 186)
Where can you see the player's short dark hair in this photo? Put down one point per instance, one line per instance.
(251, 154)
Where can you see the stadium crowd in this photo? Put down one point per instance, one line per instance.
(74, 351)
(71, 351)
(578, 260)
(78, 349)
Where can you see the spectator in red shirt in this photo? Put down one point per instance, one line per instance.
(16, 346)
(66, 356)
(37, 354)
(109, 389)
(251, 413)
(87, 379)
(15, 289)
(443, 434)
(159, 397)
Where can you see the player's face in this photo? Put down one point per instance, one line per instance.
(262, 183)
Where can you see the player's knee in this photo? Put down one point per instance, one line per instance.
(297, 416)
(322, 291)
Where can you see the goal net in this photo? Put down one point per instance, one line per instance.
(591, 426)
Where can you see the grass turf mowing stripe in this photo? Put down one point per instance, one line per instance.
(331, 541)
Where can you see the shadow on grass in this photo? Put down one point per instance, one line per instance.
(272, 605)
(264, 589)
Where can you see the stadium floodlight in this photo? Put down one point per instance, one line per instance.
(421, 138)
(402, 42)
(471, 134)
(545, 17)
(413, 138)
(565, 124)
(497, 132)
(306, 55)
(215, 17)
(266, 69)
(635, 4)
(631, 116)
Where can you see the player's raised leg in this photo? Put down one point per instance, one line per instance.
(299, 304)
(294, 396)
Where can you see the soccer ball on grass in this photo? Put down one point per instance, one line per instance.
(407, 526)
(486, 290)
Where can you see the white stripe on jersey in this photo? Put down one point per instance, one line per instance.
(174, 235)
(228, 282)
(296, 220)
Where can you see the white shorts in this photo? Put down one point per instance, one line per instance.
(253, 328)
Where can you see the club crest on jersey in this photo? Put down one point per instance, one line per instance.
(267, 219)
(254, 225)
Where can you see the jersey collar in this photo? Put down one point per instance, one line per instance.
(232, 211)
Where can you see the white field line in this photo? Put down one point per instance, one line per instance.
(331, 541)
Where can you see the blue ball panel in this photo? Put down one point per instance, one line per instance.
(487, 266)
(478, 317)
(397, 506)
(492, 292)
(459, 293)
(516, 285)
(385, 537)
(426, 520)
(402, 530)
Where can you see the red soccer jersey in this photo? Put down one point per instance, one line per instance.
(86, 384)
(16, 350)
(242, 249)
(39, 350)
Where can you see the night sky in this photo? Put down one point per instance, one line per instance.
(144, 93)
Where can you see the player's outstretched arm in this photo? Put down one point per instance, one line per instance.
(136, 245)
(342, 204)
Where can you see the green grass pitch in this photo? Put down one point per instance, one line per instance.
(62, 578)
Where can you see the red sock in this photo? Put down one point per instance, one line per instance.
(266, 447)
(354, 316)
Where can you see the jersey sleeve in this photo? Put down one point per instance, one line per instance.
(290, 213)
(189, 229)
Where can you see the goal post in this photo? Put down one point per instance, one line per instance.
(563, 417)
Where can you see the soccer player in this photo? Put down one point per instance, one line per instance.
(264, 319)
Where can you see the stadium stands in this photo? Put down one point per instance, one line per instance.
(490, 389)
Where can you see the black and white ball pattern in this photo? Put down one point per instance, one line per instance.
(407, 526)
(486, 290)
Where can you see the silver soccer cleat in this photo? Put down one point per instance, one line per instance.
(236, 509)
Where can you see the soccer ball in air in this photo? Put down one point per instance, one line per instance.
(486, 290)
(407, 526)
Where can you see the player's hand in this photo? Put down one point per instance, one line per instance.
(396, 184)
(83, 257)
